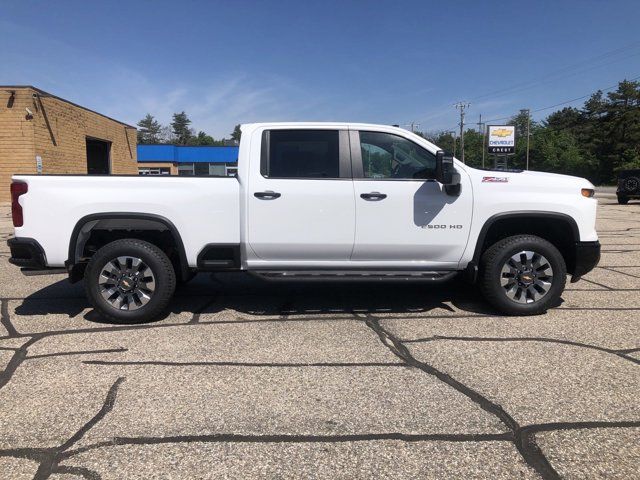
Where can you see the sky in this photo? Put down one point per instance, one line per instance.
(362, 61)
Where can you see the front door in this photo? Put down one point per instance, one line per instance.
(403, 216)
(301, 202)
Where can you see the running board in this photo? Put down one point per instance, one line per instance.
(356, 275)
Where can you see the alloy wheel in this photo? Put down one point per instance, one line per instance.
(526, 277)
(127, 283)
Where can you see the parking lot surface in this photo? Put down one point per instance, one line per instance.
(244, 379)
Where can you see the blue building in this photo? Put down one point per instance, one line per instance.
(201, 161)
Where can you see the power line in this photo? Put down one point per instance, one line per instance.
(414, 126)
(565, 102)
(564, 72)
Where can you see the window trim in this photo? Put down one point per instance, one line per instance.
(344, 157)
(358, 166)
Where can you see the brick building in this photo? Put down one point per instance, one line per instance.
(42, 133)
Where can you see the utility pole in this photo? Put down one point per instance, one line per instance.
(527, 111)
(481, 130)
(453, 137)
(461, 106)
(413, 126)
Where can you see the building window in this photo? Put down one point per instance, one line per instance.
(217, 169)
(185, 169)
(208, 169)
(154, 171)
(201, 169)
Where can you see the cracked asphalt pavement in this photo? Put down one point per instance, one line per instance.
(244, 379)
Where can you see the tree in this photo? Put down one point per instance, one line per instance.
(149, 130)
(203, 139)
(235, 135)
(166, 135)
(180, 128)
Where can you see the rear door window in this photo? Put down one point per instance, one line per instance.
(310, 154)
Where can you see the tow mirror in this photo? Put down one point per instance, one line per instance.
(446, 173)
(444, 168)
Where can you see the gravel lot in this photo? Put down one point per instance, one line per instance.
(249, 380)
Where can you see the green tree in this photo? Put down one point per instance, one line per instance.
(180, 128)
(203, 139)
(149, 130)
(235, 135)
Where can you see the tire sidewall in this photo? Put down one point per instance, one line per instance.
(493, 273)
(153, 258)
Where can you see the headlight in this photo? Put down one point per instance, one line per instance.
(588, 192)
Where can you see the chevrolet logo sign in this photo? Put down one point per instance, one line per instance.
(502, 132)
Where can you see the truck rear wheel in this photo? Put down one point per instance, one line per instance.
(623, 200)
(522, 275)
(130, 281)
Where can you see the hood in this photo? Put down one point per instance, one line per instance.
(533, 178)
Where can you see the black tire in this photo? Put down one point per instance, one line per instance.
(623, 200)
(154, 259)
(491, 274)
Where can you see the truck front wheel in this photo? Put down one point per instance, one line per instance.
(130, 281)
(522, 275)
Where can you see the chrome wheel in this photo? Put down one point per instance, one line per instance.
(526, 277)
(127, 283)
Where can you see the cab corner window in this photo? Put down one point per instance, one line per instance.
(312, 154)
(388, 156)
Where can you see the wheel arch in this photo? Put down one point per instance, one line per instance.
(118, 222)
(558, 228)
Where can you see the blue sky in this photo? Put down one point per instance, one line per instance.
(382, 62)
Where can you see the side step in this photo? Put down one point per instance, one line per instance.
(356, 275)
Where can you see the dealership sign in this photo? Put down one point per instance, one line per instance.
(502, 139)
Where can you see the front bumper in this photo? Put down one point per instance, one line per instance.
(586, 257)
(27, 253)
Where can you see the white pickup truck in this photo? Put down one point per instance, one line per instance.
(312, 201)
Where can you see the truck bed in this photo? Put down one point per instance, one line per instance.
(204, 210)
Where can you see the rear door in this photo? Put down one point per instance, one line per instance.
(301, 202)
(403, 215)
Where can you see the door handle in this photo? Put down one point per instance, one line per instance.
(268, 195)
(375, 196)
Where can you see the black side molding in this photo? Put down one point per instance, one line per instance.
(215, 257)
(522, 214)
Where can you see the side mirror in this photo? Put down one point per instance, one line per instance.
(446, 173)
(444, 168)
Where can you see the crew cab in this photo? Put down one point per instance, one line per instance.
(312, 202)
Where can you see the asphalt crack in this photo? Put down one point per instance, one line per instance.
(5, 320)
(48, 459)
(620, 353)
(526, 445)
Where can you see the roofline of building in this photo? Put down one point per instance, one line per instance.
(47, 94)
(180, 146)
